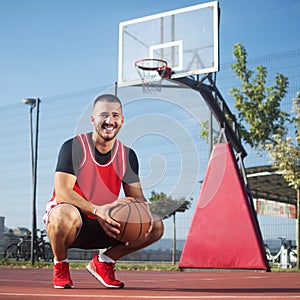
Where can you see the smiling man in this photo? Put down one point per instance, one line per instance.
(91, 169)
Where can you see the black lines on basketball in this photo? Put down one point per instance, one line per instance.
(134, 218)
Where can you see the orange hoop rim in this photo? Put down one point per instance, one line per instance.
(145, 68)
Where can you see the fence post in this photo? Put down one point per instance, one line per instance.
(2, 237)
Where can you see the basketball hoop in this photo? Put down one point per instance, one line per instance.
(151, 72)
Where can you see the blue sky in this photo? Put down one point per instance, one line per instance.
(53, 47)
(57, 47)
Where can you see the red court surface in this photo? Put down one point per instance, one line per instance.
(36, 284)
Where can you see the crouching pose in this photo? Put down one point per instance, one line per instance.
(90, 171)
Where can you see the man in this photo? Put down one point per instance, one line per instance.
(90, 171)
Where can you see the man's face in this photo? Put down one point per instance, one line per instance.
(107, 119)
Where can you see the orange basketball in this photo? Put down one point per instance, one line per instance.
(134, 217)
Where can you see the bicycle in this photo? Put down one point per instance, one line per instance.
(22, 249)
(286, 256)
(43, 249)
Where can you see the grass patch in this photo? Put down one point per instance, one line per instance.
(25, 264)
(137, 266)
(275, 268)
(121, 265)
(146, 266)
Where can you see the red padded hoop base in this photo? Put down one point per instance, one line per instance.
(224, 233)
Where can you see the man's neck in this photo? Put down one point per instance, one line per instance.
(102, 145)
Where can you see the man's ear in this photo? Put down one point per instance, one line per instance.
(92, 119)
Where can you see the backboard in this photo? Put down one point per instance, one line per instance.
(186, 38)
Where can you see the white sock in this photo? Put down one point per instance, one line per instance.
(104, 258)
(59, 261)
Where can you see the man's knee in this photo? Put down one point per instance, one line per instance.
(64, 218)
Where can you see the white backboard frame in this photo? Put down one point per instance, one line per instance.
(188, 38)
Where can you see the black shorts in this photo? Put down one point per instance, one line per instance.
(92, 236)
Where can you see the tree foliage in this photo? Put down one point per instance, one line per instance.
(165, 206)
(285, 153)
(258, 106)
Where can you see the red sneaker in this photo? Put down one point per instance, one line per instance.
(104, 272)
(61, 276)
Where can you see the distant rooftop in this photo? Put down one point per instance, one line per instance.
(267, 183)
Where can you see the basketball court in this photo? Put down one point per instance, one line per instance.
(170, 53)
(37, 284)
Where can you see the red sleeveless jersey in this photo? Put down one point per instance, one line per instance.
(98, 184)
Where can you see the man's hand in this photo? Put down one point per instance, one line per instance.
(109, 225)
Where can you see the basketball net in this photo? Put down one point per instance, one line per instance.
(151, 72)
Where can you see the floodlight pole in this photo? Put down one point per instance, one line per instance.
(34, 156)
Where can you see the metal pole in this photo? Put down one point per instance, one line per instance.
(34, 185)
(210, 132)
(34, 158)
(32, 180)
(298, 229)
(31, 143)
(116, 88)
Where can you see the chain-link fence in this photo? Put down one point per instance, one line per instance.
(163, 129)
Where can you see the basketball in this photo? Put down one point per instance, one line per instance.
(134, 218)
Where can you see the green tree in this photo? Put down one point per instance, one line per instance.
(259, 113)
(264, 125)
(164, 207)
(204, 132)
(285, 154)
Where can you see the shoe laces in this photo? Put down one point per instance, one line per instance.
(62, 269)
(110, 269)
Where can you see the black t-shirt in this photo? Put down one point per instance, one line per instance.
(70, 157)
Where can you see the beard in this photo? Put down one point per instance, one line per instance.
(105, 134)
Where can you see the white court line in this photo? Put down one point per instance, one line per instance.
(154, 297)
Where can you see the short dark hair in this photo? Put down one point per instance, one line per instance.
(108, 98)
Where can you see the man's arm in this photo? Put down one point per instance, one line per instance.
(64, 183)
(134, 190)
